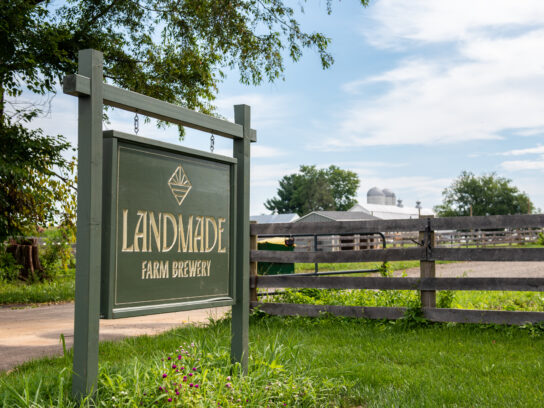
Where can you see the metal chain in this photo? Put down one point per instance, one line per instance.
(212, 143)
(136, 123)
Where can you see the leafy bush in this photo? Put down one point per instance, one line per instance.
(9, 269)
(540, 240)
(57, 253)
(445, 299)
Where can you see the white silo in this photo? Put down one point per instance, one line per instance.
(375, 196)
(390, 197)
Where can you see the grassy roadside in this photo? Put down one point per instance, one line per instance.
(61, 289)
(308, 363)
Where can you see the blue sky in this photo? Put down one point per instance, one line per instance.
(420, 91)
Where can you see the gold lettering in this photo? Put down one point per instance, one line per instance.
(149, 273)
(125, 248)
(174, 269)
(185, 263)
(192, 268)
(164, 269)
(168, 217)
(221, 230)
(214, 224)
(142, 222)
(143, 269)
(198, 268)
(199, 234)
(208, 265)
(185, 242)
(154, 229)
(156, 274)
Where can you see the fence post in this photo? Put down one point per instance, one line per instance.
(89, 224)
(427, 268)
(240, 310)
(253, 239)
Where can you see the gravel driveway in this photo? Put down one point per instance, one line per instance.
(485, 270)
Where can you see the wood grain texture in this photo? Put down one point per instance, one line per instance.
(435, 315)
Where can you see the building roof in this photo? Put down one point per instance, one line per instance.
(337, 216)
(390, 212)
(274, 218)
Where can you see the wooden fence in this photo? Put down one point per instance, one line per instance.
(473, 238)
(424, 250)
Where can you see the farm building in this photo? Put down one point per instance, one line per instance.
(274, 218)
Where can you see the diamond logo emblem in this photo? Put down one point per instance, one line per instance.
(179, 184)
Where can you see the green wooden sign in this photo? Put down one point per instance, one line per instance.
(167, 228)
(160, 228)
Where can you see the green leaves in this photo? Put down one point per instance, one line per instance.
(315, 189)
(488, 194)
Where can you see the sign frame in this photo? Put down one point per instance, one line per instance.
(113, 140)
(93, 93)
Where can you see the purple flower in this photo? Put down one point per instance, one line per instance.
(169, 358)
(182, 368)
(194, 368)
(177, 392)
(190, 374)
(196, 385)
(228, 385)
(169, 399)
(179, 357)
(190, 385)
(164, 375)
(174, 366)
(184, 378)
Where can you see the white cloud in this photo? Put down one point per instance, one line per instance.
(260, 151)
(521, 152)
(490, 82)
(520, 165)
(266, 110)
(268, 175)
(431, 21)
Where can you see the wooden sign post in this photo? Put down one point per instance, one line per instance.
(160, 228)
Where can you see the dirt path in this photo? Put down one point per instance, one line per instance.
(33, 332)
(485, 270)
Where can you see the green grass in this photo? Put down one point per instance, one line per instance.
(61, 289)
(311, 363)
(481, 300)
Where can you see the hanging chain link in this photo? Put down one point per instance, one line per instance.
(136, 123)
(212, 143)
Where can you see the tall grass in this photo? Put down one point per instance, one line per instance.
(304, 362)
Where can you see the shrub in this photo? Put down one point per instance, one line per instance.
(9, 269)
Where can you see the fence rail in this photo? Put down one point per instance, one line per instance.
(424, 249)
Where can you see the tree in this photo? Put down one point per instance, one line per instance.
(488, 194)
(174, 50)
(313, 189)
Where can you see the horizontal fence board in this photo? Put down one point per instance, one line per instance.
(488, 254)
(392, 313)
(338, 227)
(367, 255)
(445, 223)
(78, 85)
(349, 282)
(488, 222)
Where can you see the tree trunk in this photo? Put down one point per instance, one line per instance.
(26, 254)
